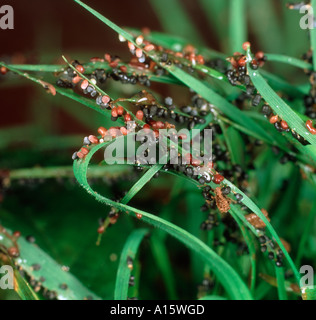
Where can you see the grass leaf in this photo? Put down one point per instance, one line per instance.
(124, 272)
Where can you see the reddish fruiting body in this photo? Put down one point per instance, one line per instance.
(106, 99)
(254, 63)
(131, 46)
(13, 252)
(3, 70)
(139, 215)
(102, 131)
(196, 162)
(274, 119)
(80, 68)
(140, 115)
(84, 84)
(139, 40)
(242, 61)
(114, 112)
(76, 80)
(309, 126)
(80, 155)
(123, 131)
(101, 229)
(96, 59)
(259, 55)
(127, 117)
(107, 57)
(149, 47)
(113, 64)
(146, 127)
(16, 234)
(284, 125)
(139, 53)
(113, 132)
(218, 178)
(123, 69)
(246, 45)
(84, 151)
(200, 59)
(120, 110)
(93, 139)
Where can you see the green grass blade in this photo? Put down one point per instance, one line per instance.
(160, 253)
(228, 277)
(124, 272)
(207, 93)
(264, 21)
(175, 20)
(51, 271)
(238, 24)
(22, 288)
(141, 182)
(279, 106)
(216, 14)
(281, 283)
(313, 36)
(289, 60)
(305, 234)
(213, 298)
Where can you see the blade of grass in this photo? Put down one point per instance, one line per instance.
(281, 283)
(289, 60)
(237, 24)
(264, 21)
(305, 234)
(175, 20)
(53, 273)
(216, 14)
(207, 93)
(124, 271)
(22, 288)
(313, 36)
(228, 277)
(278, 105)
(198, 87)
(160, 254)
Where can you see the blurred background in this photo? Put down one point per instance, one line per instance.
(39, 130)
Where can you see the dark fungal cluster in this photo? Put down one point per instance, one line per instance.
(238, 75)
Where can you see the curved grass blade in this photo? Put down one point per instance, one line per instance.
(210, 96)
(124, 270)
(228, 277)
